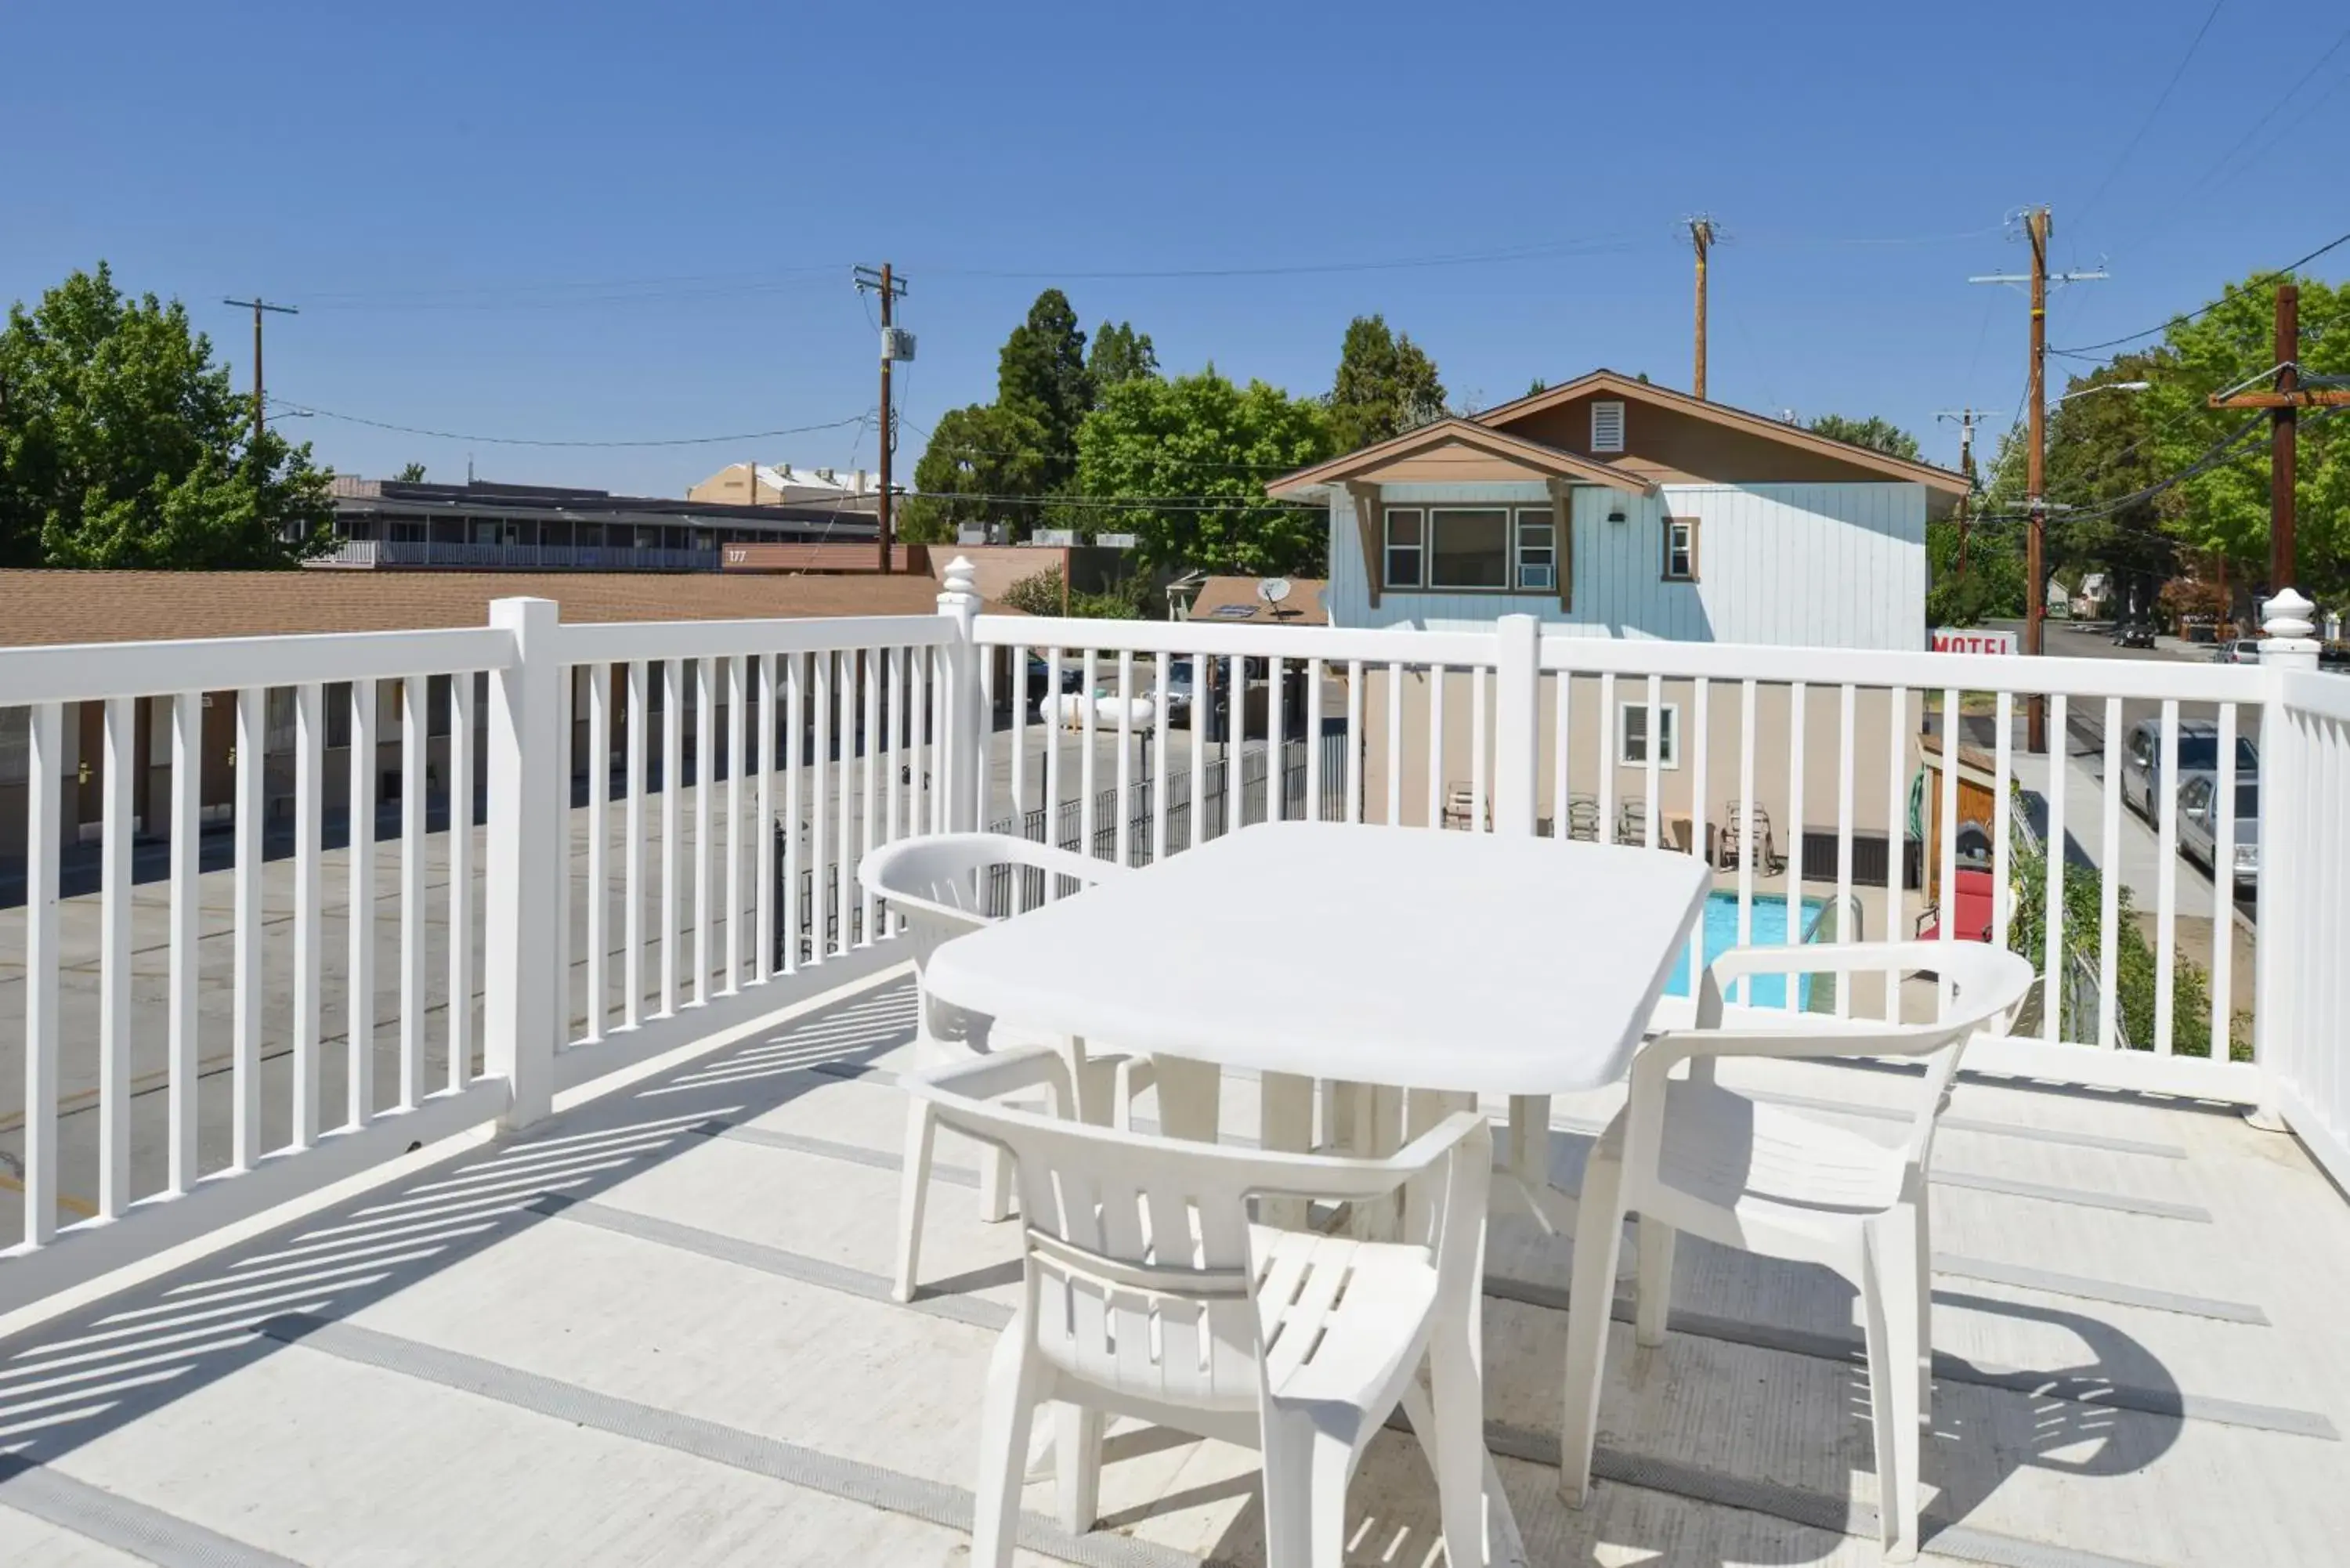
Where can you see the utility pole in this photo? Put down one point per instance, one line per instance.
(894, 346)
(1700, 230)
(2283, 436)
(2284, 405)
(2037, 227)
(1967, 419)
(257, 305)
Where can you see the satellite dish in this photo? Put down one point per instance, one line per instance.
(1273, 590)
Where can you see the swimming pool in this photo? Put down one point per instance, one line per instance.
(1768, 928)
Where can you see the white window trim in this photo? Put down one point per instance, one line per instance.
(1671, 760)
(1598, 443)
(1387, 547)
(1519, 523)
(1665, 572)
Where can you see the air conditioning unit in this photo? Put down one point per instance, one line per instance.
(1115, 541)
(1062, 538)
(897, 344)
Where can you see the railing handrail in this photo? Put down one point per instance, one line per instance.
(582, 642)
(1920, 671)
(1455, 650)
(94, 671)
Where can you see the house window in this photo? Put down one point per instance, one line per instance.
(1537, 552)
(1406, 546)
(1632, 735)
(1680, 550)
(1469, 548)
(1607, 427)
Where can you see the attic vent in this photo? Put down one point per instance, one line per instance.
(1607, 427)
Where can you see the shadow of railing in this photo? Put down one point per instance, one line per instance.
(76, 1379)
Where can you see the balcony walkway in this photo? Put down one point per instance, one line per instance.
(656, 1330)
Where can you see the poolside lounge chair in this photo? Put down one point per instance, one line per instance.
(1583, 818)
(1462, 809)
(1744, 825)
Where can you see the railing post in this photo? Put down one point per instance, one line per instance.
(530, 808)
(959, 747)
(1517, 714)
(2277, 1029)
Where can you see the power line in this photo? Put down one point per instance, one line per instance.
(2144, 125)
(2225, 296)
(527, 440)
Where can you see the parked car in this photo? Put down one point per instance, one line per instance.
(2133, 634)
(2237, 650)
(2199, 826)
(1040, 678)
(2199, 753)
(1178, 695)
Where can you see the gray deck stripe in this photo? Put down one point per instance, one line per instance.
(113, 1520)
(1972, 1124)
(848, 1479)
(849, 1153)
(2082, 1197)
(2087, 1289)
(1831, 1345)
(1818, 1510)
(768, 1259)
(863, 1072)
(1824, 1345)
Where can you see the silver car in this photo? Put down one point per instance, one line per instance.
(2199, 826)
(2199, 753)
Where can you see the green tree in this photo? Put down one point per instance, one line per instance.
(2225, 512)
(983, 464)
(1041, 377)
(1205, 447)
(1386, 385)
(410, 473)
(1120, 354)
(124, 445)
(1878, 434)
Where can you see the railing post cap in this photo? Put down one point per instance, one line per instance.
(523, 609)
(962, 576)
(2287, 613)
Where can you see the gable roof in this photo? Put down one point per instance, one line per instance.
(1544, 460)
(1636, 390)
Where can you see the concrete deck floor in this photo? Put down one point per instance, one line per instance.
(656, 1330)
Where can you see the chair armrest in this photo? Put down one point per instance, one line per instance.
(998, 1073)
(1050, 857)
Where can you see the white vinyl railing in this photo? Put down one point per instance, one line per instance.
(2306, 895)
(614, 839)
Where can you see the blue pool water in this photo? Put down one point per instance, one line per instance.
(1768, 928)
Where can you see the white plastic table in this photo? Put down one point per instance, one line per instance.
(1458, 961)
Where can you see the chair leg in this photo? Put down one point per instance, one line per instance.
(1888, 1280)
(1012, 1391)
(1288, 1455)
(1924, 1249)
(913, 1192)
(1655, 1296)
(995, 1185)
(1077, 1457)
(1598, 1232)
(1458, 1396)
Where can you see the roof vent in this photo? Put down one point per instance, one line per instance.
(1607, 427)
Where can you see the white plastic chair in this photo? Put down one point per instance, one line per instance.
(1148, 1294)
(1689, 1154)
(943, 885)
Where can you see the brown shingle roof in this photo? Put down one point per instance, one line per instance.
(43, 606)
(1304, 606)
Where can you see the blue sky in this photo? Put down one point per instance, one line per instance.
(597, 222)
